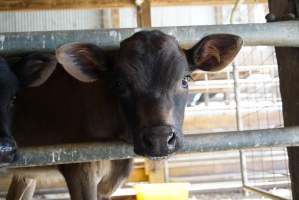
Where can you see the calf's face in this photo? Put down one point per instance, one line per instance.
(148, 74)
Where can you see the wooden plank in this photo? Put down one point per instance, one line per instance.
(22, 5)
(7, 5)
(199, 2)
(288, 68)
(62, 4)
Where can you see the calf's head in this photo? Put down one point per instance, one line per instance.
(148, 73)
(8, 88)
(30, 71)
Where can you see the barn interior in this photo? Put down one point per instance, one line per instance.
(249, 94)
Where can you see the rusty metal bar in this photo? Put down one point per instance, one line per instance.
(252, 34)
(72, 153)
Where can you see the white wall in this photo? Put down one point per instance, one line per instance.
(183, 16)
(91, 19)
(49, 20)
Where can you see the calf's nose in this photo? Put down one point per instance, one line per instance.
(159, 141)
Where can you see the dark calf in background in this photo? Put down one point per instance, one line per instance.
(137, 93)
(8, 88)
(29, 74)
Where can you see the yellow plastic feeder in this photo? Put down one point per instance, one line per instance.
(163, 191)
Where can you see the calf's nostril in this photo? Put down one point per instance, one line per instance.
(171, 139)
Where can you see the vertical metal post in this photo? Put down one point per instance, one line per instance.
(239, 124)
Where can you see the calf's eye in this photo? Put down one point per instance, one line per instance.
(119, 85)
(184, 83)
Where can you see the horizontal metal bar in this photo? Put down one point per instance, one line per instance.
(271, 34)
(72, 153)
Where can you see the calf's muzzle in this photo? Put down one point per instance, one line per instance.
(157, 141)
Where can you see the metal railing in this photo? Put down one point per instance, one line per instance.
(252, 34)
(85, 152)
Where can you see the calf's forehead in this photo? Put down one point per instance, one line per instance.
(152, 58)
(155, 38)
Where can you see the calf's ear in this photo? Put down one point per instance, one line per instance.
(83, 61)
(213, 52)
(34, 69)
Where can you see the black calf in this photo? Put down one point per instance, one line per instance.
(8, 88)
(30, 71)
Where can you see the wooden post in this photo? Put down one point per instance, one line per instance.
(115, 17)
(106, 19)
(143, 13)
(288, 68)
(155, 171)
(109, 18)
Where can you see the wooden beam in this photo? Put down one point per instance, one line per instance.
(7, 5)
(199, 2)
(288, 62)
(29, 5)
